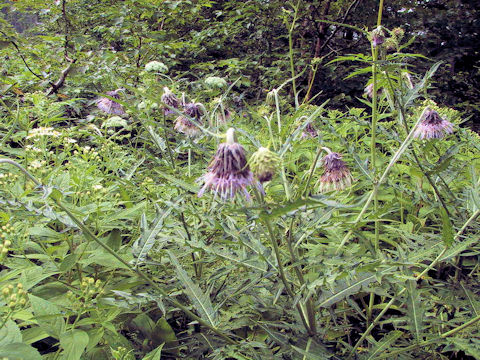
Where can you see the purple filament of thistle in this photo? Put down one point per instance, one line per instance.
(228, 173)
(433, 126)
(336, 173)
(110, 106)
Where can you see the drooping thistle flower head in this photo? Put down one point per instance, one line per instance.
(187, 127)
(377, 37)
(183, 123)
(264, 164)
(110, 106)
(408, 79)
(336, 175)
(228, 173)
(223, 115)
(309, 131)
(432, 126)
(169, 99)
(193, 110)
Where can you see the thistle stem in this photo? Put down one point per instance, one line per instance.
(281, 270)
(373, 150)
(393, 160)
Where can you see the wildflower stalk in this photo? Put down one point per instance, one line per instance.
(299, 273)
(10, 313)
(373, 150)
(196, 267)
(393, 160)
(279, 123)
(374, 128)
(380, 12)
(418, 277)
(281, 270)
(170, 154)
(290, 53)
(89, 234)
(312, 168)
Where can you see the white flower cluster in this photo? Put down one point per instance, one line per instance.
(42, 131)
(156, 66)
(215, 81)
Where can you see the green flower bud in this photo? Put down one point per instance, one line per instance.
(264, 164)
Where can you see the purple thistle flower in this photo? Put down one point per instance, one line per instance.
(336, 175)
(169, 99)
(185, 126)
(224, 116)
(309, 131)
(110, 106)
(378, 37)
(228, 172)
(193, 110)
(369, 90)
(432, 126)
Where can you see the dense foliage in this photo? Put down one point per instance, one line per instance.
(199, 179)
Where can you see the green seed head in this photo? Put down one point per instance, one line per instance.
(264, 164)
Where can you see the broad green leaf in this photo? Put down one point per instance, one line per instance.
(114, 240)
(48, 316)
(164, 334)
(19, 351)
(200, 300)
(155, 354)
(144, 324)
(73, 343)
(10, 333)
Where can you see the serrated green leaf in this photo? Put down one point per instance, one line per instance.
(384, 344)
(200, 300)
(344, 289)
(468, 346)
(447, 229)
(415, 310)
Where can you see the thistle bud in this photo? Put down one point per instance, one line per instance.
(264, 164)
